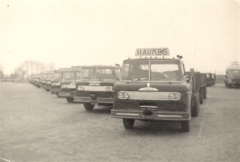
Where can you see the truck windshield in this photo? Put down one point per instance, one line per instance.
(234, 72)
(78, 75)
(57, 75)
(105, 73)
(156, 70)
(68, 75)
(89, 73)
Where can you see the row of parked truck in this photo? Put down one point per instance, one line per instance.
(148, 88)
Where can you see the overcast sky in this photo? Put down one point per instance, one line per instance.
(205, 33)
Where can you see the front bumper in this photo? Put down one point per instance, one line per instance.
(48, 86)
(65, 94)
(55, 90)
(156, 115)
(234, 82)
(93, 101)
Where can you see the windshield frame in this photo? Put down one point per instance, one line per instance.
(107, 68)
(88, 68)
(149, 70)
(59, 75)
(71, 73)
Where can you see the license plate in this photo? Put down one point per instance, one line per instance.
(147, 117)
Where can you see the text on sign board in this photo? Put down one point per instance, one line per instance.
(152, 52)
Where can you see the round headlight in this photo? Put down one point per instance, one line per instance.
(80, 88)
(123, 95)
(174, 96)
(109, 88)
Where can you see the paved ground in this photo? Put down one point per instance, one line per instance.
(35, 125)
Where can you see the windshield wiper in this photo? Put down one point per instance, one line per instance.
(137, 79)
(164, 75)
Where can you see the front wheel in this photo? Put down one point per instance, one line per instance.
(69, 99)
(205, 92)
(201, 96)
(185, 126)
(88, 106)
(195, 106)
(128, 123)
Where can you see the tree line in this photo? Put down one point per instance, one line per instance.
(29, 67)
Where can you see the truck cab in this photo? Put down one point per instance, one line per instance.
(153, 89)
(96, 85)
(232, 75)
(49, 77)
(55, 82)
(68, 89)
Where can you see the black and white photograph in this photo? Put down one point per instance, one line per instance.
(119, 81)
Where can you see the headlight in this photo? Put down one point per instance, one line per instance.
(174, 96)
(80, 88)
(109, 88)
(123, 95)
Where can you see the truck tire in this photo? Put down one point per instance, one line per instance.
(229, 85)
(195, 106)
(57, 94)
(128, 123)
(88, 106)
(201, 96)
(69, 99)
(205, 92)
(185, 126)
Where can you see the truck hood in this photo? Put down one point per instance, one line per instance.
(152, 86)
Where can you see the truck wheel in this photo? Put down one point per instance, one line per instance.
(57, 94)
(201, 96)
(69, 99)
(195, 106)
(185, 126)
(88, 106)
(128, 123)
(205, 93)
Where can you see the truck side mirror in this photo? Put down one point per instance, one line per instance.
(191, 72)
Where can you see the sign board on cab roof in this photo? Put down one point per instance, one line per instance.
(152, 52)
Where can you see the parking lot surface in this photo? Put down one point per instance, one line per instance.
(36, 125)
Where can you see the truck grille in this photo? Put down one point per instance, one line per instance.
(153, 105)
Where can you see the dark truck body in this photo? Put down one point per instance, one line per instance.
(36, 80)
(96, 91)
(150, 100)
(67, 86)
(56, 83)
(46, 82)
